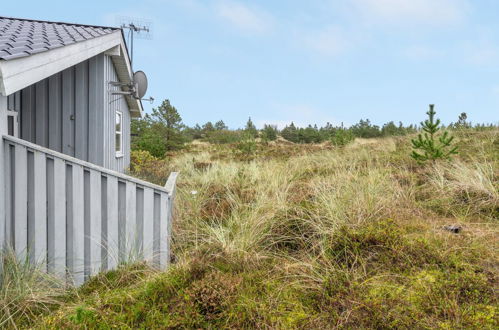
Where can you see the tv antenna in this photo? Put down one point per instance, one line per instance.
(141, 29)
(137, 28)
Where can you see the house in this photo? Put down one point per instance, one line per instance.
(65, 200)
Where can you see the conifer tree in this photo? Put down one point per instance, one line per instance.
(220, 126)
(428, 146)
(250, 128)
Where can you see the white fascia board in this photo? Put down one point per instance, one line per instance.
(22, 72)
(135, 106)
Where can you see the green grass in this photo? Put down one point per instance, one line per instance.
(313, 237)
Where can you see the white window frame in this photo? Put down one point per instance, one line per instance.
(119, 153)
(15, 118)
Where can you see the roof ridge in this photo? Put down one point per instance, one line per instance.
(59, 23)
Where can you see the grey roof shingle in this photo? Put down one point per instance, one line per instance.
(23, 37)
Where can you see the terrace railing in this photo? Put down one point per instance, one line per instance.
(74, 219)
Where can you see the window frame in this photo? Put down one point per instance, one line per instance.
(119, 153)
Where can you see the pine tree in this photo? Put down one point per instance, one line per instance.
(208, 127)
(427, 146)
(220, 125)
(269, 132)
(462, 123)
(169, 124)
(159, 132)
(250, 128)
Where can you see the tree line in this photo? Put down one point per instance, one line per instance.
(163, 131)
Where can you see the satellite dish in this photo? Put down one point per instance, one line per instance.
(140, 81)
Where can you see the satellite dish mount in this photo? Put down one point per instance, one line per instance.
(138, 86)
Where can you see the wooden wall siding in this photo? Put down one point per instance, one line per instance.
(65, 111)
(115, 103)
(73, 112)
(75, 218)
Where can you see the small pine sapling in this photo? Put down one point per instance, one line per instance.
(427, 146)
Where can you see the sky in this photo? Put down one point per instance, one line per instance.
(309, 62)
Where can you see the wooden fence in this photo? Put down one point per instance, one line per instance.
(75, 219)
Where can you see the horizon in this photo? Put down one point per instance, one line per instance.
(323, 61)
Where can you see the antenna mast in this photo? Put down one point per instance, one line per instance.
(134, 29)
(137, 28)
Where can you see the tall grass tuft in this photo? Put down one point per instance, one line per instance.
(25, 290)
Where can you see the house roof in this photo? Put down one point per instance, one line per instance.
(23, 37)
(32, 50)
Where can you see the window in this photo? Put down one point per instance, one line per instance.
(119, 134)
(10, 125)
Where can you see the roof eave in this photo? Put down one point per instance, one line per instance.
(22, 72)
(124, 71)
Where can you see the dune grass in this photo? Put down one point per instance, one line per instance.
(313, 237)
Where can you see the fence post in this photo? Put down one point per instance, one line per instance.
(171, 186)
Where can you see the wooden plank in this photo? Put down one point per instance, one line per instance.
(20, 222)
(28, 114)
(164, 257)
(55, 113)
(92, 110)
(4, 174)
(104, 222)
(40, 209)
(78, 226)
(122, 250)
(41, 113)
(157, 227)
(17, 102)
(112, 222)
(101, 88)
(59, 220)
(148, 227)
(68, 112)
(95, 222)
(131, 230)
(81, 111)
(9, 200)
(50, 215)
(139, 224)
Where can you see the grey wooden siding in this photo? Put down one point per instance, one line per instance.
(115, 103)
(73, 112)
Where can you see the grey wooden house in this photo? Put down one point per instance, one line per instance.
(65, 201)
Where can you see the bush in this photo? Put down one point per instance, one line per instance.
(147, 167)
(342, 137)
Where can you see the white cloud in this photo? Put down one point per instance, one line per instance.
(243, 17)
(329, 41)
(413, 12)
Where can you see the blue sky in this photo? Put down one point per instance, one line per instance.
(307, 61)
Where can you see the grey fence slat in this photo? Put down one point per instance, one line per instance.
(59, 261)
(40, 208)
(78, 234)
(66, 204)
(21, 201)
(112, 244)
(148, 233)
(130, 227)
(8, 196)
(163, 230)
(95, 222)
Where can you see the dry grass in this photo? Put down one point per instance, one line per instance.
(317, 237)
